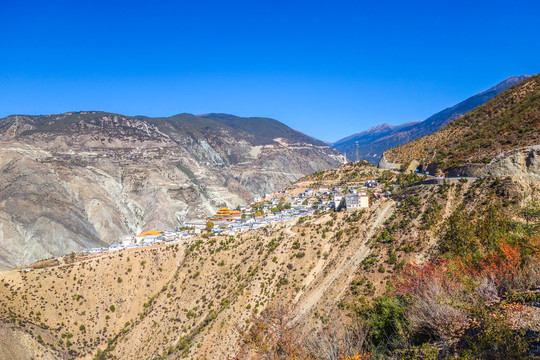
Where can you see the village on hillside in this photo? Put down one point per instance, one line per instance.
(281, 206)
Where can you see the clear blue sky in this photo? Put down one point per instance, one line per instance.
(328, 68)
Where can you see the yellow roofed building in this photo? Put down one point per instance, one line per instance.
(223, 213)
(149, 233)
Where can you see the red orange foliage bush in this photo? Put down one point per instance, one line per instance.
(501, 265)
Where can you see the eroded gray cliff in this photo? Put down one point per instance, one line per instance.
(79, 180)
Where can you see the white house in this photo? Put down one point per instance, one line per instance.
(371, 183)
(128, 240)
(357, 201)
(197, 224)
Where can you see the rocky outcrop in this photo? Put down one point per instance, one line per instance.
(80, 180)
(524, 162)
(386, 165)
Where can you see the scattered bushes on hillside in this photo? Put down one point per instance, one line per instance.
(457, 303)
(272, 336)
(457, 306)
(277, 334)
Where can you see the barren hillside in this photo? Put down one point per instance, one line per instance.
(78, 180)
(173, 302)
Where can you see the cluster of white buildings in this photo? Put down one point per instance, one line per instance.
(351, 198)
(225, 227)
(265, 211)
(148, 238)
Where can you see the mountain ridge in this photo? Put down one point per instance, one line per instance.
(506, 125)
(264, 128)
(370, 144)
(119, 174)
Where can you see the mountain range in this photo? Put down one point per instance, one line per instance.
(498, 138)
(84, 179)
(297, 288)
(297, 285)
(370, 144)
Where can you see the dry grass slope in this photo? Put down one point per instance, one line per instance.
(173, 302)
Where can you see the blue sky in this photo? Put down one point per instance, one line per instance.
(327, 68)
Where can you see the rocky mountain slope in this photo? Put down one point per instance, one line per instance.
(77, 180)
(390, 269)
(501, 137)
(173, 302)
(370, 144)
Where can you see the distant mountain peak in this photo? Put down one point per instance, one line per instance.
(470, 144)
(382, 126)
(371, 143)
(505, 84)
